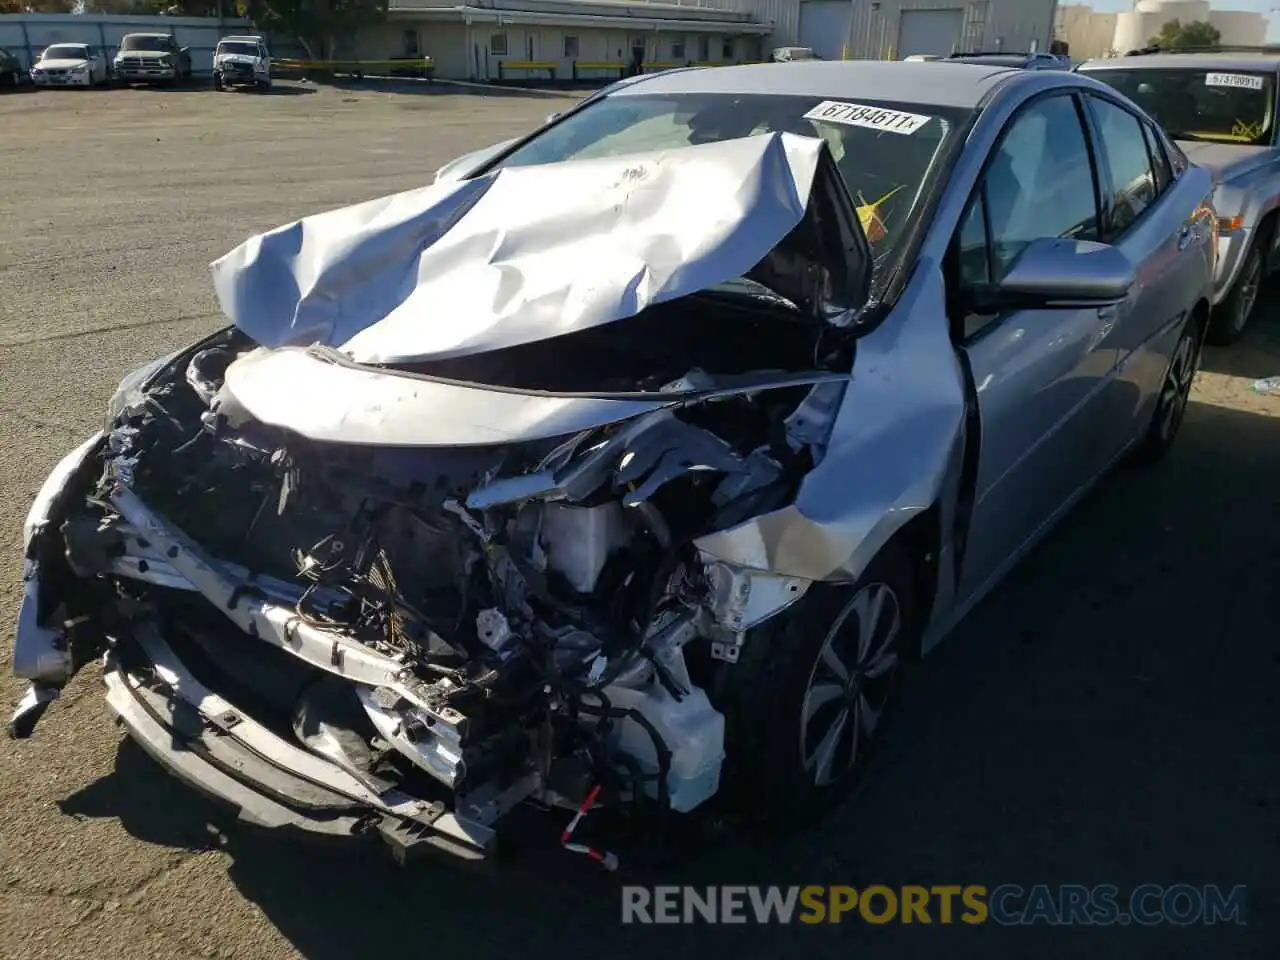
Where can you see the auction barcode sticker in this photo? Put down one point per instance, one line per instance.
(1245, 81)
(859, 115)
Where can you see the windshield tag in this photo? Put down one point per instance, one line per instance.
(1242, 80)
(874, 118)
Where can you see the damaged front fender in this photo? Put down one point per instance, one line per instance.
(877, 472)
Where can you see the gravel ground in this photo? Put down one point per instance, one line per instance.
(1108, 716)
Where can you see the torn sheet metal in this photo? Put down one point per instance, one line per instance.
(877, 472)
(522, 255)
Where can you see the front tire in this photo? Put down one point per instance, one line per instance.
(1232, 316)
(813, 689)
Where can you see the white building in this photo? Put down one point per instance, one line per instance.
(500, 39)
(564, 39)
(1089, 33)
(893, 29)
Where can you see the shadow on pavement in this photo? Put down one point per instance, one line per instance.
(1257, 355)
(1108, 716)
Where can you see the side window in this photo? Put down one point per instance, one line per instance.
(1159, 159)
(1124, 146)
(1040, 182)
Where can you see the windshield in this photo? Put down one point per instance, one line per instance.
(144, 43)
(244, 49)
(886, 153)
(1214, 105)
(65, 51)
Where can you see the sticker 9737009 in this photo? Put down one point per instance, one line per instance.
(1245, 81)
(859, 115)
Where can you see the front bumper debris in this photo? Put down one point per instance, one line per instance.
(215, 747)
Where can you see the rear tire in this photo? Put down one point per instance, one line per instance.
(1175, 393)
(813, 688)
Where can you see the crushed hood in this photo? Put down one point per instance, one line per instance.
(529, 253)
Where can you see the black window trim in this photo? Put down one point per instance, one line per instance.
(1157, 154)
(1110, 236)
(1084, 119)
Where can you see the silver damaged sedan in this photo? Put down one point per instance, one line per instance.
(627, 464)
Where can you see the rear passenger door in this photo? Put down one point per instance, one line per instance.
(1152, 220)
(1041, 376)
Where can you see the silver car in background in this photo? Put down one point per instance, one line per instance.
(628, 464)
(1220, 110)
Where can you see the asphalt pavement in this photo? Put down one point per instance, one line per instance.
(1108, 716)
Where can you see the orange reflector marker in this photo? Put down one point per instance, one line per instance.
(1227, 224)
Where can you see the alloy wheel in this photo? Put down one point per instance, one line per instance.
(1176, 392)
(1249, 284)
(850, 683)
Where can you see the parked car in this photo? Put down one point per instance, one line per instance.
(436, 526)
(152, 58)
(1220, 109)
(11, 72)
(1024, 61)
(789, 54)
(69, 65)
(241, 62)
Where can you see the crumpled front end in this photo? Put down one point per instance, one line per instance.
(397, 599)
(405, 641)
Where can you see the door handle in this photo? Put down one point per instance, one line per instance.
(1184, 237)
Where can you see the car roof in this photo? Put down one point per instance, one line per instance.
(995, 59)
(937, 82)
(144, 33)
(244, 39)
(1186, 61)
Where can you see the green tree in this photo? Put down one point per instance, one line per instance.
(317, 24)
(1175, 35)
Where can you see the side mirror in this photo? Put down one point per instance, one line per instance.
(1063, 273)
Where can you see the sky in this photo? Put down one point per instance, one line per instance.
(1265, 7)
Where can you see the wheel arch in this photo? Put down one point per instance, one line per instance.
(920, 540)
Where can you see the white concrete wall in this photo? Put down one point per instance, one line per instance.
(1088, 33)
(1243, 27)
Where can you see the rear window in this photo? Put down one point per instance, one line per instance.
(1222, 106)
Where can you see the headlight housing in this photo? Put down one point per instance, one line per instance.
(80, 69)
(131, 388)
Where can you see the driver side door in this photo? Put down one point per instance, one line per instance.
(1041, 377)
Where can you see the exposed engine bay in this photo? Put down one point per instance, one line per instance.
(525, 620)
